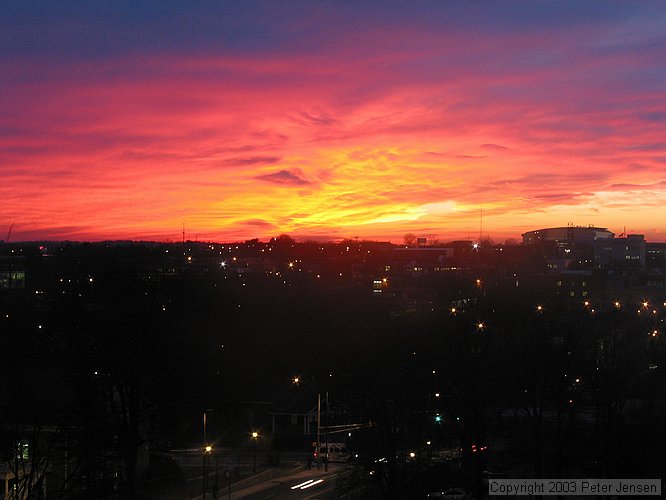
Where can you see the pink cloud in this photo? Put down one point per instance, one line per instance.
(512, 124)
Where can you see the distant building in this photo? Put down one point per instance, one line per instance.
(655, 255)
(12, 279)
(568, 248)
(421, 260)
(569, 234)
(579, 248)
(621, 253)
(12, 273)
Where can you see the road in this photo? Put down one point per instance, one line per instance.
(285, 481)
(307, 484)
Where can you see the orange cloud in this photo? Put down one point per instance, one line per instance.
(374, 136)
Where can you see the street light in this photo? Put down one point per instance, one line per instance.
(255, 435)
(206, 452)
(207, 449)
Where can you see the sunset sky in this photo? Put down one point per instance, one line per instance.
(126, 120)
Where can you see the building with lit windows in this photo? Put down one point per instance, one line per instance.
(655, 254)
(12, 273)
(568, 235)
(621, 253)
(580, 248)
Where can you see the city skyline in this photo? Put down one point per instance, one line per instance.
(326, 120)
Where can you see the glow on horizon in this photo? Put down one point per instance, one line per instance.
(402, 128)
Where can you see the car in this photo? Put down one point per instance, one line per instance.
(451, 494)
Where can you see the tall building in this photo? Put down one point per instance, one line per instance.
(574, 247)
(621, 253)
(655, 254)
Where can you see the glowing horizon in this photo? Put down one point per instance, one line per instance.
(324, 121)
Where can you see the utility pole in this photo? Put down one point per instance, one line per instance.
(207, 450)
(203, 448)
(227, 474)
(318, 424)
(328, 423)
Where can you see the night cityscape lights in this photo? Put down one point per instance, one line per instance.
(330, 249)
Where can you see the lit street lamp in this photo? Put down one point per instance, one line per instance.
(255, 436)
(206, 454)
(207, 449)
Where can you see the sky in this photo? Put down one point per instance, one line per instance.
(331, 119)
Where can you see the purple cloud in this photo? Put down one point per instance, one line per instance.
(284, 177)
